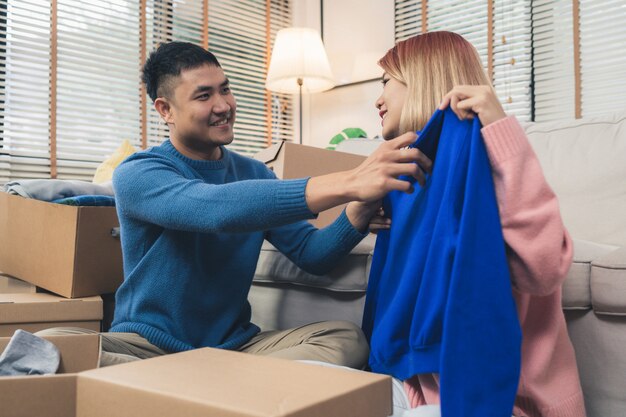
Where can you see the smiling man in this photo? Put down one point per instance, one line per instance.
(194, 215)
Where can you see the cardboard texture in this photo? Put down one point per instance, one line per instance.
(214, 382)
(12, 285)
(64, 249)
(50, 395)
(290, 160)
(34, 312)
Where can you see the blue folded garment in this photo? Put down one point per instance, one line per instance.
(87, 200)
(50, 190)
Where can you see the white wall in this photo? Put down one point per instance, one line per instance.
(326, 114)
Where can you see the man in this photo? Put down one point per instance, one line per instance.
(193, 216)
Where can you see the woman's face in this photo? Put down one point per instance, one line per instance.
(390, 104)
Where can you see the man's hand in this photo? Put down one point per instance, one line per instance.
(373, 179)
(367, 216)
(378, 174)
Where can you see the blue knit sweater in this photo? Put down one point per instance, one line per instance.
(439, 298)
(191, 236)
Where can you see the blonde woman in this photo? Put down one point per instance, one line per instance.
(440, 69)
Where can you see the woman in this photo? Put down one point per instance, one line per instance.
(441, 69)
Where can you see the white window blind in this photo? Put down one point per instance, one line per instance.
(168, 20)
(512, 56)
(468, 18)
(4, 158)
(26, 58)
(97, 84)
(97, 65)
(408, 18)
(603, 61)
(237, 36)
(554, 86)
(511, 31)
(282, 106)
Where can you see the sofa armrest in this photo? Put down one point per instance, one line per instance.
(608, 283)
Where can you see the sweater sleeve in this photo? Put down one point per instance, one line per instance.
(154, 190)
(316, 251)
(539, 249)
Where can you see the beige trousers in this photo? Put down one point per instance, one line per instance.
(337, 342)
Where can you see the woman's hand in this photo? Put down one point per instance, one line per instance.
(367, 216)
(467, 100)
(379, 221)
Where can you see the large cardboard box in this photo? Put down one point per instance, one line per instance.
(34, 312)
(214, 382)
(50, 395)
(12, 285)
(64, 249)
(290, 160)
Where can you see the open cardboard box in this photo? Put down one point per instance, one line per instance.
(65, 249)
(290, 160)
(50, 395)
(215, 382)
(34, 312)
(12, 285)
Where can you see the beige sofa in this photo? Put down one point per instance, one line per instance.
(585, 163)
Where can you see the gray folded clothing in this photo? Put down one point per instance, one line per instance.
(50, 190)
(27, 354)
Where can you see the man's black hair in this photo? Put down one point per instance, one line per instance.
(167, 61)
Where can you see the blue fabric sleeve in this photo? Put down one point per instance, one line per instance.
(179, 203)
(316, 251)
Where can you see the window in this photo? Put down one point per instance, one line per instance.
(70, 76)
(603, 62)
(551, 59)
(510, 63)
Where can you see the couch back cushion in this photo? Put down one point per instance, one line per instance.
(585, 163)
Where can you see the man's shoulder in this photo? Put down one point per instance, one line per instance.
(155, 155)
(250, 164)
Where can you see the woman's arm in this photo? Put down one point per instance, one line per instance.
(539, 249)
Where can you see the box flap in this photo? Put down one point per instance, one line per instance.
(93, 272)
(225, 383)
(11, 285)
(37, 395)
(37, 242)
(50, 395)
(270, 154)
(40, 307)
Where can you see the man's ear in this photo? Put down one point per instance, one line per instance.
(164, 108)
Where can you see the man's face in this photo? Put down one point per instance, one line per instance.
(202, 109)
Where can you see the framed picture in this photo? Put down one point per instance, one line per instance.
(356, 34)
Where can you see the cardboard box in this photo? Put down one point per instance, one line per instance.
(290, 160)
(50, 395)
(64, 249)
(12, 285)
(214, 382)
(34, 312)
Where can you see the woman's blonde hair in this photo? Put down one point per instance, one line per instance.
(430, 65)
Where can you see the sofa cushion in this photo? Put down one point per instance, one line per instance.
(350, 275)
(608, 283)
(585, 163)
(285, 306)
(577, 288)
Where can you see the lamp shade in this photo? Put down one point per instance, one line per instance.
(299, 54)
